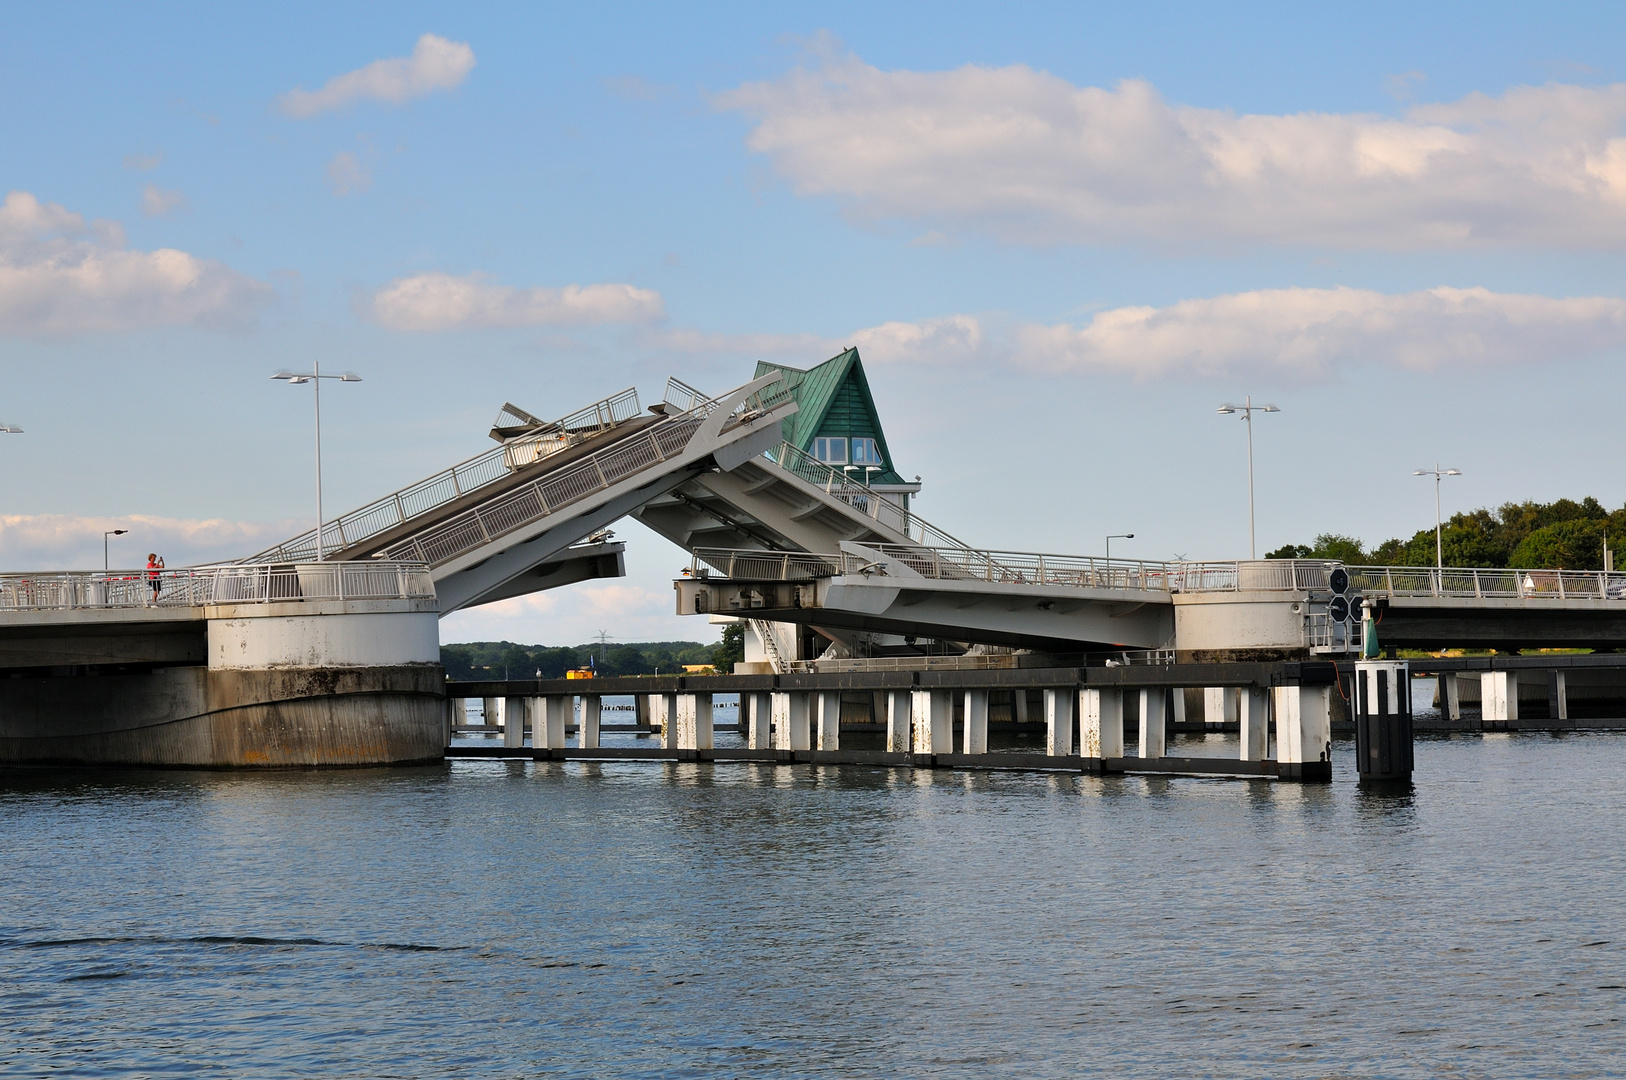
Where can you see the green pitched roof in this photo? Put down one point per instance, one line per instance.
(833, 399)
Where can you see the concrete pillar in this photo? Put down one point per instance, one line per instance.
(694, 728)
(1153, 721)
(1101, 723)
(663, 714)
(976, 722)
(1176, 712)
(1499, 696)
(1254, 723)
(453, 707)
(760, 732)
(1058, 720)
(592, 711)
(1558, 698)
(1303, 724)
(513, 721)
(491, 711)
(1220, 705)
(899, 727)
(1450, 695)
(640, 710)
(790, 720)
(549, 715)
(1019, 705)
(829, 702)
(933, 715)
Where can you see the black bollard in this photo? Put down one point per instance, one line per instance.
(1383, 735)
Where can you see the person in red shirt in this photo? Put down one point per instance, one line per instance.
(154, 565)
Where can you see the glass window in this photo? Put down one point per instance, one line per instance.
(833, 451)
(866, 452)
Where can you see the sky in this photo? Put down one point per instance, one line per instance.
(1060, 236)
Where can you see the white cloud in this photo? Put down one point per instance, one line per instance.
(68, 542)
(158, 203)
(346, 175)
(1298, 334)
(435, 64)
(142, 162)
(1032, 158)
(60, 275)
(444, 302)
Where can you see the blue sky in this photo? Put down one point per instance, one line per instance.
(1059, 235)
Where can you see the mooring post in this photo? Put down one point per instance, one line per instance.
(899, 726)
(694, 728)
(1254, 723)
(1304, 732)
(790, 721)
(1498, 697)
(1058, 721)
(1101, 723)
(592, 712)
(1153, 724)
(933, 713)
(1450, 695)
(1383, 728)
(829, 719)
(760, 736)
(513, 721)
(976, 722)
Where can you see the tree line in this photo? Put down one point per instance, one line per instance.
(507, 660)
(1561, 535)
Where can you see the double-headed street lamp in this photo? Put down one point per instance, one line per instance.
(105, 535)
(1437, 473)
(1247, 409)
(315, 378)
(1117, 536)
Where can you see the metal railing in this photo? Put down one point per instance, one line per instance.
(952, 564)
(1253, 575)
(234, 583)
(461, 479)
(551, 492)
(1478, 584)
(866, 500)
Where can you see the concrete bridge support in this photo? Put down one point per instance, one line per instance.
(491, 712)
(829, 704)
(899, 726)
(1450, 696)
(549, 716)
(1220, 705)
(1498, 696)
(791, 727)
(513, 721)
(1154, 725)
(694, 728)
(663, 715)
(933, 715)
(760, 730)
(1254, 723)
(1558, 699)
(1058, 719)
(1304, 731)
(587, 726)
(1101, 723)
(976, 722)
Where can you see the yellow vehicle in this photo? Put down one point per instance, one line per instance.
(581, 673)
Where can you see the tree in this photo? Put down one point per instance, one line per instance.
(1567, 545)
(731, 650)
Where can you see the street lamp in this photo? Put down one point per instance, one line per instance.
(1117, 536)
(1437, 473)
(1247, 409)
(105, 535)
(315, 379)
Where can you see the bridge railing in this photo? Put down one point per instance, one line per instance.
(1469, 583)
(861, 497)
(553, 491)
(461, 479)
(234, 583)
(943, 564)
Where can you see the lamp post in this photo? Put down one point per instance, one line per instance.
(315, 379)
(1437, 473)
(105, 535)
(1247, 409)
(1117, 536)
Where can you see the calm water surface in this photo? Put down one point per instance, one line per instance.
(513, 919)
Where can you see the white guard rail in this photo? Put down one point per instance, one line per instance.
(1454, 583)
(237, 583)
(956, 564)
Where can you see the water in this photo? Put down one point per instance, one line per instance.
(630, 919)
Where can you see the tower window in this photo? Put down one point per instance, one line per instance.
(832, 451)
(866, 452)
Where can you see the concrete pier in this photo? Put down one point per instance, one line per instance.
(791, 727)
(976, 722)
(1499, 696)
(1221, 705)
(933, 713)
(1101, 723)
(1304, 730)
(1254, 723)
(1154, 724)
(759, 733)
(899, 725)
(513, 721)
(694, 727)
(829, 705)
(587, 726)
(1058, 720)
